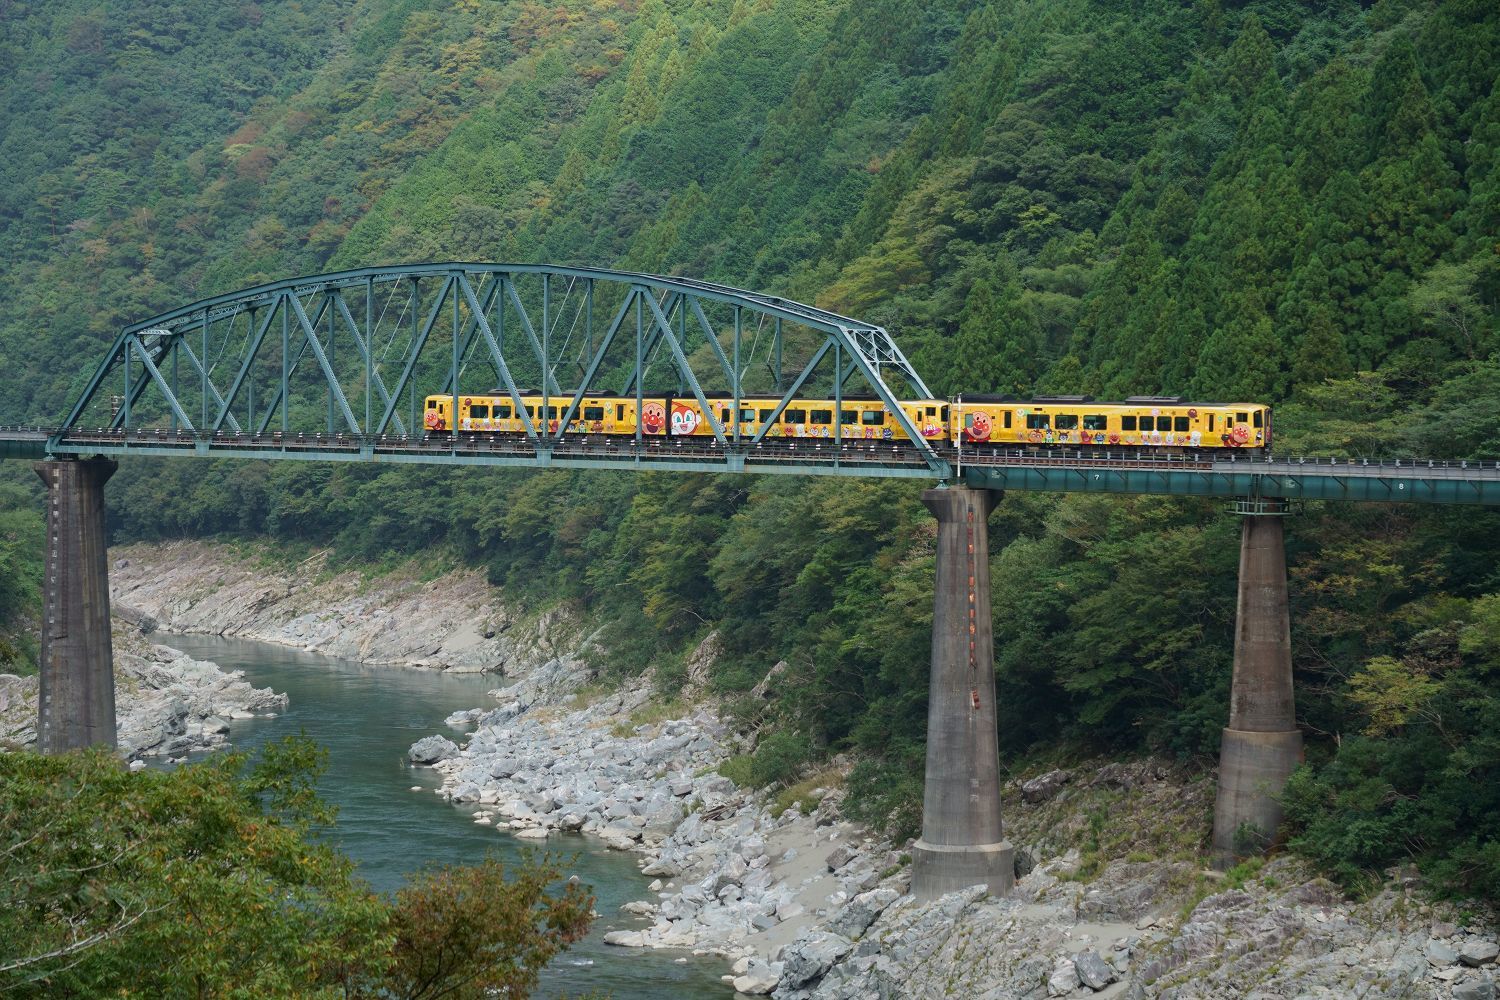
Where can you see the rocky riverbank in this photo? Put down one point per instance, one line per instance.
(1111, 898)
(167, 704)
(454, 621)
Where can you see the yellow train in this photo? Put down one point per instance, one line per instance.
(1165, 422)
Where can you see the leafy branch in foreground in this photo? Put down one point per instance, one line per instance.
(208, 880)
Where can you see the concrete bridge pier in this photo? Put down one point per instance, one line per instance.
(1262, 744)
(962, 841)
(76, 707)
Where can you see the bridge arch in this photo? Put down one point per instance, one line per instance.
(332, 365)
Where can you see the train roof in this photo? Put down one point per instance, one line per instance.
(863, 397)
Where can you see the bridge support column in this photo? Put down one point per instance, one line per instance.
(962, 840)
(76, 707)
(1262, 744)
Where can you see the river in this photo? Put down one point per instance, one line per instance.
(367, 716)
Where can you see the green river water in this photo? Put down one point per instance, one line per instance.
(367, 717)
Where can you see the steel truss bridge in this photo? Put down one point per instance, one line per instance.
(334, 367)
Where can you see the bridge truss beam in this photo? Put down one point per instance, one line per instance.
(321, 368)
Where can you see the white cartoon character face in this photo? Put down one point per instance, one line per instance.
(685, 419)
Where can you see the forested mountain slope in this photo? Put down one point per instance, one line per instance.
(1286, 201)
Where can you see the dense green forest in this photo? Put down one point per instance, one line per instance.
(1290, 201)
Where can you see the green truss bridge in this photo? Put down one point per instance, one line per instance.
(335, 367)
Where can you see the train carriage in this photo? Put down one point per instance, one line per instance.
(1136, 422)
(1163, 423)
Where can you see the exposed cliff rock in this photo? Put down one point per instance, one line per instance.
(455, 621)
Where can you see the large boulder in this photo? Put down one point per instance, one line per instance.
(1043, 788)
(1477, 951)
(758, 979)
(860, 912)
(1093, 970)
(810, 956)
(432, 749)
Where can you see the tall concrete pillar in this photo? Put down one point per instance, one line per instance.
(77, 703)
(962, 841)
(1262, 745)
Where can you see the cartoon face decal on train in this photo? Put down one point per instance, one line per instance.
(978, 427)
(685, 419)
(653, 418)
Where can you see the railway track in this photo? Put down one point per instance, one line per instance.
(801, 452)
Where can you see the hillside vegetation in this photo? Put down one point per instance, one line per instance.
(1294, 202)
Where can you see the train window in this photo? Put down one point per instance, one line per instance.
(876, 417)
(1242, 418)
(619, 411)
(794, 416)
(821, 416)
(432, 404)
(479, 411)
(1257, 418)
(1211, 421)
(1095, 422)
(1180, 423)
(1067, 422)
(593, 413)
(765, 415)
(943, 415)
(747, 416)
(932, 411)
(1037, 421)
(1127, 423)
(848, 416)
(1007, 420)
(502, 411)
(551, 413)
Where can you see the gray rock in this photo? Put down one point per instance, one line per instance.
(1475, 989)
(662, 867)
(839, 857)
(810, 956)
(1043, 788)
(1093, 970)
(625, 939)
(758, 979)
(1440, 954)
(1477, 951)
(1064, 978)
(432, 749)
(860, 912)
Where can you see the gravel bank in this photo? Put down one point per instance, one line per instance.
(167, 704)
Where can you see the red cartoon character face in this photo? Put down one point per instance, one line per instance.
(1239, 436)
(685, 419)
(653, 418)
(977, 426)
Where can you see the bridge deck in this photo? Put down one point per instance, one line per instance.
(1060, 471)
